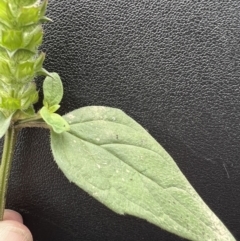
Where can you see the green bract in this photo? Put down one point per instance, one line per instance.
(20, 61)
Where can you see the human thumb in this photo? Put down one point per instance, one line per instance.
(14, 231)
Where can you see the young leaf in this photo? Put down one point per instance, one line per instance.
(4, 123)
(54, 120)
(115, 160)
(52, 90)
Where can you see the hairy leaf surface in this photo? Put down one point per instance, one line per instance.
(52, 90)
(115, 160)
(54, 120)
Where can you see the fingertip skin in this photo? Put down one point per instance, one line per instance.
(12, 227)
(12, 215)
(14, 231)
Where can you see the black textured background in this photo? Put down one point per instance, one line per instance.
(174, 66)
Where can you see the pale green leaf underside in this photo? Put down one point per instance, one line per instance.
(4, 124)
(115, 160)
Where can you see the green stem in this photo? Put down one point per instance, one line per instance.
(5, 168)
(40, 124)
(31, 119)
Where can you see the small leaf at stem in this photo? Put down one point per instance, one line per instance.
(115, 160)
(4, 123)
(54, 120)
(54, 108)
(52, 90)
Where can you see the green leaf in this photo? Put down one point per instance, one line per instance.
(23, 114)
(5, 14)
(10, 103)
(27, 101)
(24, 2)
(43, 8)
(11, 39)
(5, 70)
(24, 71)
(45, 19)
(31, 40)
(54, 108)
(52, 90)
(54, 120)
(29, 15)
(44, 72)
(23, 55)
(4, 123)
(39, 62)
(115, 160)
